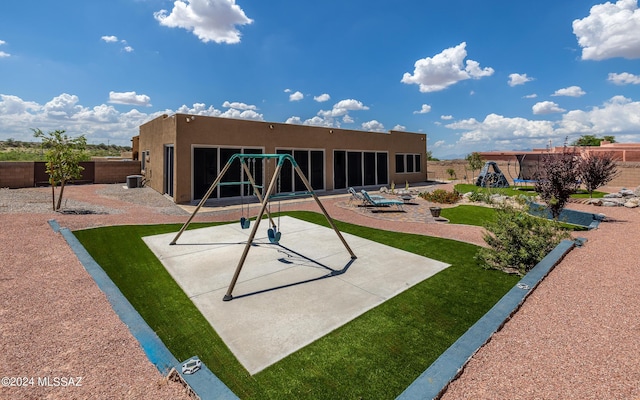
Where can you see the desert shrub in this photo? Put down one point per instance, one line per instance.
(518, 241)
(441, 196)
(481, 196)
(557, 178)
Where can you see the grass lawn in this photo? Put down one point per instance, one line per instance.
(523, 190)
(377, 355)
(478, 215)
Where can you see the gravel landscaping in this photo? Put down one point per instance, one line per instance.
(576, 336)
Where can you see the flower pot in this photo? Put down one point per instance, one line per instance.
(435, 211)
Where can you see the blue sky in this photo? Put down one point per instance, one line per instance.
(472, 75)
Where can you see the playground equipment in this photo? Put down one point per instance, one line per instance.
(527, 165)
(265, 198)
(491, 179)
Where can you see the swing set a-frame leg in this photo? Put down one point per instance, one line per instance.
(229, 296)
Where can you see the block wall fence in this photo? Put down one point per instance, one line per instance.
(14, 174)
(628, 172)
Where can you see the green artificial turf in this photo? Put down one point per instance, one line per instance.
(377, 355)
(516, 191)
(468, 214)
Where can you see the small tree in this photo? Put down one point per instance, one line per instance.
(592, 140)
(597, 170)
(518, 241)
(452, 173)
(63, 155)
(557, 178)
(475, 162)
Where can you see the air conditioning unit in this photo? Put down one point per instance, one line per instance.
(134, 181)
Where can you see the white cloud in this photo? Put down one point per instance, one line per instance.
(501, 131)
(445, 69)
(239, 106)
(546, 107)
(297, 96)
(518, 79)
(209, 20)
(373, 125)
(2, 53)
(98, 123)
(611, 30)
(424, 109)
(618, 115)
(130, 98)
(343, 107)
(322, 98)
(530, 96)
(287, 90)
(446, 117)
(114, 39)
(571, 91)
(400, 128)
(14, 105)
(294, 121)
(624, 78)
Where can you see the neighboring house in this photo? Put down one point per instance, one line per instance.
(181, 155)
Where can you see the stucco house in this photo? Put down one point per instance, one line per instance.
(182, 154)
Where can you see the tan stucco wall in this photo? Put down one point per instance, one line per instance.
(186, 132)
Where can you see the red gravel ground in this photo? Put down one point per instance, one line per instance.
(576, 337)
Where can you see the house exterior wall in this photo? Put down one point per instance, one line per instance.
(186, 132)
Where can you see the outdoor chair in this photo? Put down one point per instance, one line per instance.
(380, 201)
(359, 197)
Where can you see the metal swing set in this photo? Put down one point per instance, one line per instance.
(265, 198)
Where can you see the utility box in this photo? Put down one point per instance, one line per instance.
(134, 181)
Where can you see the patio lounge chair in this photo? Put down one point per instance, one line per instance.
(358, 196)
(381, 201)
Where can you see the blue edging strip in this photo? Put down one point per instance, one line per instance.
(204, 383)
(433, 382)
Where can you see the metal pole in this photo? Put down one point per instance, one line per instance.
(228, 296)
(204, 199)
(324, 211)
(255, 189)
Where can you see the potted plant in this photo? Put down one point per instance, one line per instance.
(435, 211)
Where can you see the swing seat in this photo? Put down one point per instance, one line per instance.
(274, 236)
(245, 223)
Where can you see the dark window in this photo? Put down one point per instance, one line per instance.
(382, 169)
(399, 163)
(354, 168)
(286, 175)
(418, 163)
(233, 174)
(317, 170)
(410, 163)
(302, 159)
(369, 169)
(205, 171)
(340, 170)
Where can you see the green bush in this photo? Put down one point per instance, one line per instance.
(518, 241)
(481, 196)
(441, 196)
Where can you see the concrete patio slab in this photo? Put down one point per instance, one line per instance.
(287, 295)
